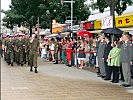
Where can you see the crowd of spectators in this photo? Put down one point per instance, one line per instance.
(113, 57)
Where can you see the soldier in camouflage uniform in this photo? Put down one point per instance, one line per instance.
(19, 50)
(33, 52)
(25, 50)
(16, 54)
(10, 51)
(5, 41)
(1, 51)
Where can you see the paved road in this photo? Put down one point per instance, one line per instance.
(57, 82)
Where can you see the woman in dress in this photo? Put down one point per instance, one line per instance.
(82, 55)
(63, 54)
(69, 53)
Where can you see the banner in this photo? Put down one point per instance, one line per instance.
(121, 21)
(107, 22)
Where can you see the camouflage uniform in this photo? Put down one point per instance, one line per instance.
(1, 51)
(10, 53)
(33, 54)
(20, 52)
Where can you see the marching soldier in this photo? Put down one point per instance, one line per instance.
(16, 54)
(126, 59)
(26, 42)
(1, 51)
(9, 51)
(33, 52)
(5, 41)
(19, 51)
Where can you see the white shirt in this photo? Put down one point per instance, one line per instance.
(52, 46)
(44, 50)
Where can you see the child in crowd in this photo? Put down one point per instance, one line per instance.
(44, 52)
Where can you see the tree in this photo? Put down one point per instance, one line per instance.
(119, 5)
(26, 12)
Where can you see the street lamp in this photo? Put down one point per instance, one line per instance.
(62, 1)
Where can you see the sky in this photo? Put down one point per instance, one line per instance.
(5, 5)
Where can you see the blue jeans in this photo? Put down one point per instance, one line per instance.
(92, 57)
(132, 70)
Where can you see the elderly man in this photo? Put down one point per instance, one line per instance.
(101, 55)
(126, 59)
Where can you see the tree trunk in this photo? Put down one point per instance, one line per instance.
(50, 25)
(112, 13)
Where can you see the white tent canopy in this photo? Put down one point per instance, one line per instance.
(45, 32)
(52, 35)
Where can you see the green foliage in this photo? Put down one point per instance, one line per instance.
(120, 5)
(26, 12)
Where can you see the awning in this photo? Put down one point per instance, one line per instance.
(84, 34)
(123, 29)
(126, 29)
(95, 31)
(45, 32)
(52, 35)
(65, 33)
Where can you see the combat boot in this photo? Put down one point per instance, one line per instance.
(36, 70)
(22, 64)
(31, 69)
(11, 63)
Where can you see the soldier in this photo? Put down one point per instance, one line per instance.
(20, 51)
(56, 50)
(26, 42)
(14, 41)
(1, 51)
(9, 51)
(33, 52)
(101, 56)
(126, 58)
(5, 47)
(16, 54)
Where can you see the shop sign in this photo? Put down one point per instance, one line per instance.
(125, 21)
(107, 22)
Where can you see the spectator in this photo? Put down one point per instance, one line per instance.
(101, 56)
(114, 63)
(87, 51)
(44, 52)
(69, 53)
(63, 55)
(132, 57)
(126, 59)
(107, 49)
(52, 49)
(82, 55)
